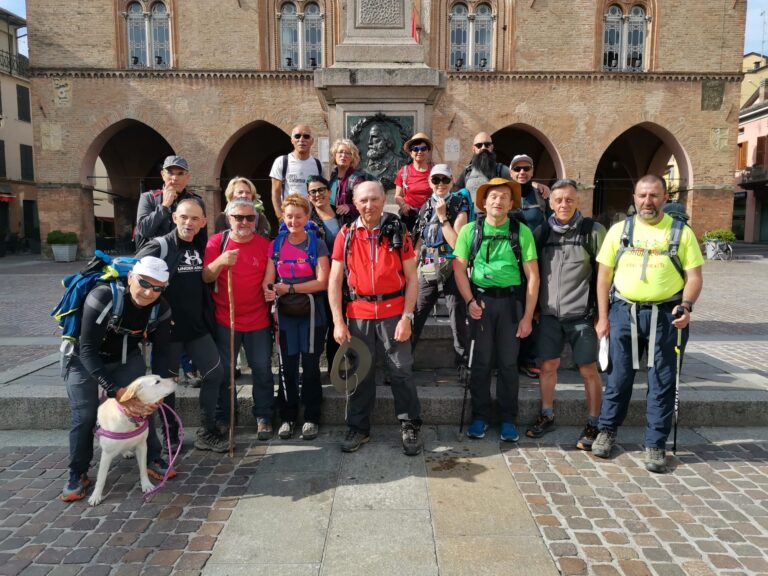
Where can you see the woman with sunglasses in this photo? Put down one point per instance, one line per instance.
(435, 234)
(240, 188)
(298, 281)
(345, 158)
(412, 181)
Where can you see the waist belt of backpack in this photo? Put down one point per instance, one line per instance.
(377, 297)
(438, 260)
(495, 292)
(654, 306)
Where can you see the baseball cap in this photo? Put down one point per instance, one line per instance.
(442, 169)
(521, 158)
(152, 267)
(177, 161)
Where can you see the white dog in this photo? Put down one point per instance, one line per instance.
(113, 421)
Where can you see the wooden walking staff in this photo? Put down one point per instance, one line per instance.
(231, 364)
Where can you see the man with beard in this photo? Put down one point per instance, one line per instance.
(482, 167)
(382, 160)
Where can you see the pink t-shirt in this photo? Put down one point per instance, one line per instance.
(251, 312)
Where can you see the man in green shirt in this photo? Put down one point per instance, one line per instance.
(489, 279)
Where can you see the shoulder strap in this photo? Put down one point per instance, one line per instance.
(477, 238)
(499, 166)
(285, 167)
(348, 232)
(163, 243)
(224, 240)
(118, 302)
(675, 236)
(585, 236)
(625, 241)
(404, 176)
(514, 241)
(319, 167)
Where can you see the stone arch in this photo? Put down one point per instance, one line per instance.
(522, 138)
(645, 148)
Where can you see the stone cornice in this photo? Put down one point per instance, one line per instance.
(592, 76)
(96, 73)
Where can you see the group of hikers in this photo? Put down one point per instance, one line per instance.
(522, 272)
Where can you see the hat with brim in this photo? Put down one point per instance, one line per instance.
(482, 192)
(418, 137)
(351, 365)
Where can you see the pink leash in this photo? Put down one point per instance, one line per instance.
(163, 407)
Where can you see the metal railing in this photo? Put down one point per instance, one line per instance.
(753, 174)
(17, 64)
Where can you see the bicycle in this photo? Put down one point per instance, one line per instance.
(720, 250)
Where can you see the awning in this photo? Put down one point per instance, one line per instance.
(7, 197)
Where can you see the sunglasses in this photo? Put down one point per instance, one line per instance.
(318, 191)
(481, 145)
(522, 168)
(440, 180)
(420, 148)
(149, 286)
(302, 136)
(246, 217)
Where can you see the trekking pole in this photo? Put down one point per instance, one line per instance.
(678, 354)
(281, 372)
(465, 377)
(231, 364)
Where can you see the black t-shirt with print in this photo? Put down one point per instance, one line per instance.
(185, 294)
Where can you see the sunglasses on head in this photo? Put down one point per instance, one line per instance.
(440, 180)
(302, 136)
(149, 286)
(246, 217)
(317, 191)
(419, 148)
(522, 168)
(481, 145)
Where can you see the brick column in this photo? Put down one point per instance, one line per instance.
(709, 208)
(67, 207)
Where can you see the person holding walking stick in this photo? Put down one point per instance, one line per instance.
(244, 255)
(647, 284)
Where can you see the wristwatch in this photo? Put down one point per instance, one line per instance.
(444, 222)
(291, 289)
(408, 315)
(687, 304)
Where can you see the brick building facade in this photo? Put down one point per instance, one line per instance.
(568, 83)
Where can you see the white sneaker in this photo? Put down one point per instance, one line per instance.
(286, 430)
(309, 431)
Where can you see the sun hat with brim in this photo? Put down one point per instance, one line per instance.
(419, 136)
(351, 365)
(482, 192)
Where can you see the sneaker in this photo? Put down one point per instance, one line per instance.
(656, 460)
(509, 432)
(353, 440)
(477, 429)
(411, 441)
(530, 371)
(309, 431)
(211, 440)
(76, 488)
(603, 444)
(543, 425)
(285, 431)
(158, 468)
(264, 429)
(587, 438)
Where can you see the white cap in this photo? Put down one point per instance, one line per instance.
(521, 158)
(152, 267)
(442, 169)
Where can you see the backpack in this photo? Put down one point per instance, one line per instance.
(285, 166)
(102, 269)
(515, 219)
(312, 234)
(679, 222)
(404, 174)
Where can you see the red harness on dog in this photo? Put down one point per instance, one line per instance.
(141, 422)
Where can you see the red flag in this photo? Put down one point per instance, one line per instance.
(415, 23)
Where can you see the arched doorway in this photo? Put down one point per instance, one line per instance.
(646, 148)
(250, 153)
(524, 139)
(121, 163)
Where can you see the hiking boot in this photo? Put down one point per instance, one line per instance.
(603, 444)
(530, 371)
(477, 429)
(353, 440)
(509, 432)
(542, 425)
(411, 441)
(286, 430)
(211, 440)
(264, 429)
(158, 468)
(309, 431)
(76, 488)
(656, 460)
(587, 437)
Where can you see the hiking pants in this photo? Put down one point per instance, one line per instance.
(379, 338)
(205, 356)
(257, 345)
(457, 311)
(495, 337)
(83, 392)
(311, 387)
(660, 399)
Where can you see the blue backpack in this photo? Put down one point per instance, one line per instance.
(312, 234)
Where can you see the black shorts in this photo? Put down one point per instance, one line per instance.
(580, 334)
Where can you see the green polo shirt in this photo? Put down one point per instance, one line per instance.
(495, 265)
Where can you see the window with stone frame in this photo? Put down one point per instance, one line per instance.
(301, 35)
(148, 37)
(625, 38)
(472, 27)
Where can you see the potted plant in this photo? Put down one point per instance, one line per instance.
(716, 241)
(63, 245)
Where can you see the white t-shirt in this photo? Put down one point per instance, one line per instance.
(296, 175)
